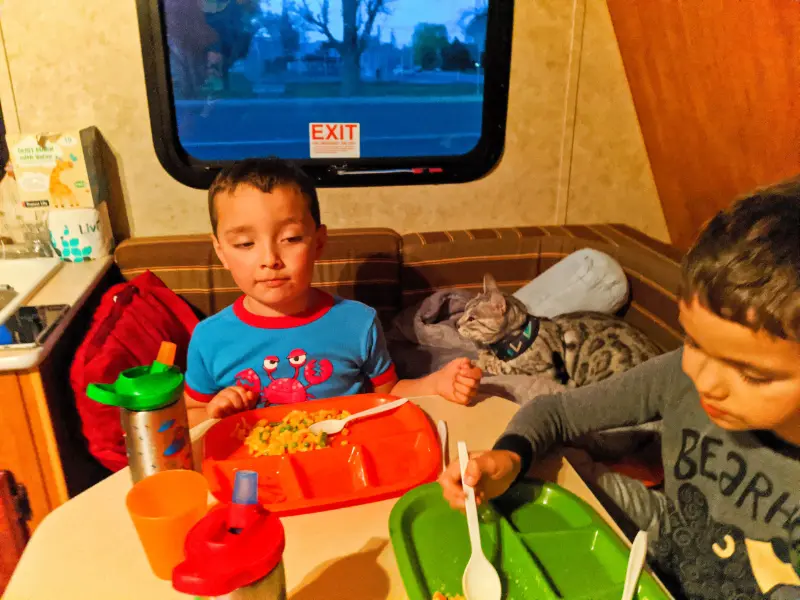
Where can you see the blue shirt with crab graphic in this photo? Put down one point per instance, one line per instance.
(335, 349)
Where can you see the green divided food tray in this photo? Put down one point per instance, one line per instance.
(546, 543)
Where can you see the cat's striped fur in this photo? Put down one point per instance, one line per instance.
(576, 349)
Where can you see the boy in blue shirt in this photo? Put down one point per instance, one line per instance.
(285, 341)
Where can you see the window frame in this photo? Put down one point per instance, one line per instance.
(342, 172)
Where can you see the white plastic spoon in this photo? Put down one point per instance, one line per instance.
(480, 581)
(441, 427)
(635, 564)
(333, 426)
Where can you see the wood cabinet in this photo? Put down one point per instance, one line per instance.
(716, 87)
(14, 513)
(19, 452)
(40, 438)
(41, 443)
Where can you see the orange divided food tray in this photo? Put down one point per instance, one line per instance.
(385, 456)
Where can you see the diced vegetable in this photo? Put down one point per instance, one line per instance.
(289, 435)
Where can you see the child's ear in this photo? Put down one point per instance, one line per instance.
(218, 250)
(320, 241)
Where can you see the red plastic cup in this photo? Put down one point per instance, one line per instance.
(164, 507)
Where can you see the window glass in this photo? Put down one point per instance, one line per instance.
(372, 79)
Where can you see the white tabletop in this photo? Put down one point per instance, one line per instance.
(87, 549)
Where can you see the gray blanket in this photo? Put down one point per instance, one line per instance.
(423, 338)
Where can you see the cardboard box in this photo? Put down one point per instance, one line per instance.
(59, 170)
(62, 185)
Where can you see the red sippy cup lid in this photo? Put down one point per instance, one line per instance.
(233, 546)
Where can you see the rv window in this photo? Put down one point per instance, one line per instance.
(359, 92)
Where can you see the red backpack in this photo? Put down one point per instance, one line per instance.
(127, 330)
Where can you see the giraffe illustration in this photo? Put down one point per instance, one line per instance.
(60, 193)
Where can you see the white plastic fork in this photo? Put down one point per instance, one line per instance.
(333, 426)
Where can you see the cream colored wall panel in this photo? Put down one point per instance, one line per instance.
(523, 188)
(611, 178)
(75, 63)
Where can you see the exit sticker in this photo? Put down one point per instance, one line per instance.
(335, 140)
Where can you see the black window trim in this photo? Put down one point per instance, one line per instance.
(337, 173)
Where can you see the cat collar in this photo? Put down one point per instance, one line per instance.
(512, 346)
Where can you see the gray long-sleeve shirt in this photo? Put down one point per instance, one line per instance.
(734, 497)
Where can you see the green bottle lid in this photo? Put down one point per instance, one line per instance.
(143, 388)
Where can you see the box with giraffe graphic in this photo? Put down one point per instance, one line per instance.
(58, 170)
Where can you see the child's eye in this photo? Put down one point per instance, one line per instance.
(755, 380)
(243, 245)
(295, 239)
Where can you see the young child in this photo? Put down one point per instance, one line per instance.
(284, 341)
(728, 520)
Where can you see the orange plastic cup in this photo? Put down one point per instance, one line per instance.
(164, 507)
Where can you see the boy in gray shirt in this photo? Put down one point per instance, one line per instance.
(727, 525)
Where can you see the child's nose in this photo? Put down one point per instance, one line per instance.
(709, 379)
(272, 258)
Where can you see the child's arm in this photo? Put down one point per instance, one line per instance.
(227, 402)
(636, 396)
(457, 381)
(203, 396)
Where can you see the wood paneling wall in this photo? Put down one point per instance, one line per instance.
(716, 84)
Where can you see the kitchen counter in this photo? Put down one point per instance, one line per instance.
(71, 284)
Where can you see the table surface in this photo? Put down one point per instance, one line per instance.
(88, 547)
(70, 285)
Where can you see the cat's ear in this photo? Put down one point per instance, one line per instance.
(498, 302)
(489, 284)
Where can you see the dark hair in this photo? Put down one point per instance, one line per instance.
(745, 264)
(264, 174)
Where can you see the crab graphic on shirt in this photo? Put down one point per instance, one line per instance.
(287, 390)
(736, 568)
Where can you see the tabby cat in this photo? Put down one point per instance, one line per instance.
(575, 349)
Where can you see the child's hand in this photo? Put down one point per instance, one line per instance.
(230, 401)
(491, 473)
(458, 381)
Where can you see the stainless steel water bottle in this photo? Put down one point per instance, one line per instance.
(153, 414)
